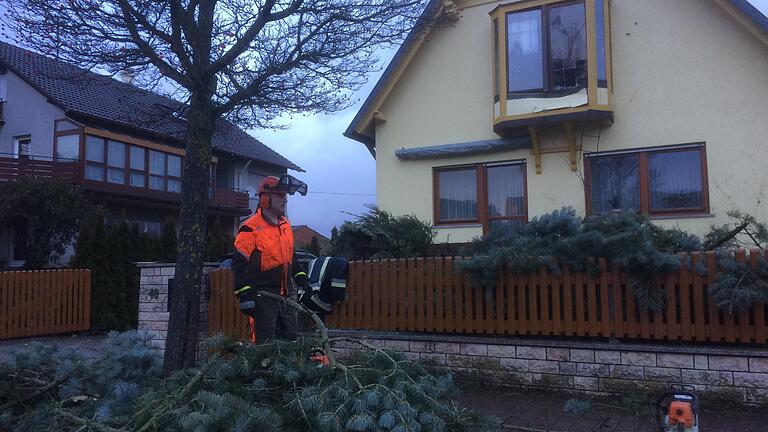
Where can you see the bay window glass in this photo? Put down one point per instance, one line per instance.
(157, 170)
(94, 158)
(138, 165)
(600, 39)
(116, 162)
(567, 47)
(547, 48)
(174, 166)
(524, 51)
(675, 180)
(174, 173)
(614, 183)
(67, 148)
(458, 195)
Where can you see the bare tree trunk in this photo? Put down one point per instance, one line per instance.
(181, 342)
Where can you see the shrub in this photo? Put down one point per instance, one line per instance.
(626, 240)
(380, 234)
(49, 209)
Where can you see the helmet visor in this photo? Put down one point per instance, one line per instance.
(290, 185)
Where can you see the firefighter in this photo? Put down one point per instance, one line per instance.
(263, 260)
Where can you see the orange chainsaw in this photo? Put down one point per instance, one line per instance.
(677, 411)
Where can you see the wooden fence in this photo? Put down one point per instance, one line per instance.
(431, 295)
(44, 302)
(223, 311)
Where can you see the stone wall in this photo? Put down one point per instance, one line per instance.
(153, 301)
(736, 373)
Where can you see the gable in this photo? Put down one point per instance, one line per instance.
(362, 127)
(106, 102)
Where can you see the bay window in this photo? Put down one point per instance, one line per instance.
(125, 164)
(547, 49)
(550, 58)
(492, 195)
(661, 181)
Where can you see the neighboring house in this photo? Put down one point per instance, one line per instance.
(499, 111)
(302, 238)
(121, 145)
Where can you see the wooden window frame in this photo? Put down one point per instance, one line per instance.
(546, 91)
(644, 183)
(482, 194)
(127, 170)
(77, 131)
(102, 165)
(16, 150)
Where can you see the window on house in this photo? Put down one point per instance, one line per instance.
(174, 173)
(506, 207)
(156, 170)
(120, 163)
(491, 194)
(547, 49)
(95, 168)
(116, 162)
(457, 195)
(68, 148)
(22, 146)
(658, 181)
(138, 167)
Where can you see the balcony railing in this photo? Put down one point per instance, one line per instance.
(36, 166)
(71, 171)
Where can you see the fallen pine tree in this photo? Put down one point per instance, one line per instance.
(241, 387)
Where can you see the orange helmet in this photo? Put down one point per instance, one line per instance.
(286, 184)
(266, 187)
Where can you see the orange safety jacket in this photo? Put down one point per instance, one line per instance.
(263, 255)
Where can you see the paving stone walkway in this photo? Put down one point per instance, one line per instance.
(529, 409)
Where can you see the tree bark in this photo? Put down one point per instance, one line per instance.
(181, 341)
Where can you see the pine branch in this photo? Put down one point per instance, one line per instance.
(44, 390)
(320, 325)
(185, 391)
(92, 424)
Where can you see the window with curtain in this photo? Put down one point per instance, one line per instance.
(506, 207)
(668, 180)
(458, 195)
(500, 205)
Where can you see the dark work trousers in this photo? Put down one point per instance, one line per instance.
(273, 319)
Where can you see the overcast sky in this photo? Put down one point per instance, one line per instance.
(341, 174)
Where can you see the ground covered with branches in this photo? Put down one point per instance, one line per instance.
(242, 387)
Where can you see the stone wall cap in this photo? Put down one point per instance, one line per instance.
(723, 350)
(149, 264)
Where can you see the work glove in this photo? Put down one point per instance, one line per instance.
(247, 299)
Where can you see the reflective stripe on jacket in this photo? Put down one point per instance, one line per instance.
(263, 255)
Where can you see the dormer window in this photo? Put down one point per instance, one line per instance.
(550, 58)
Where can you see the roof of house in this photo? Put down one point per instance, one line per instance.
(412, 42)
(92, 98)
